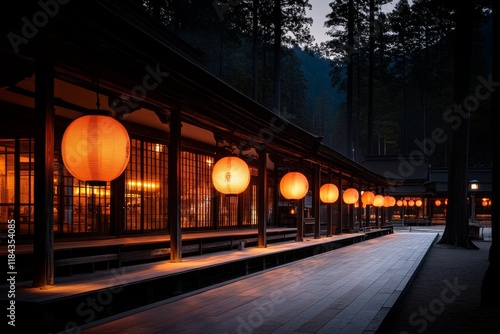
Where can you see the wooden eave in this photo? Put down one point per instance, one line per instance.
(119, 40)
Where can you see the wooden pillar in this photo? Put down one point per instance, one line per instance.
(117, 212)
(329, 212)
(43, 243)
(317, 201)
(360, 208)
(339, 206)
(262, 199)
(174, 187)
(300, 220)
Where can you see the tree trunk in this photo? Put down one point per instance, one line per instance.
(350, 73)
(277, 57)
(371, 60)
(255, 27)
(490, 289)
(456, 232)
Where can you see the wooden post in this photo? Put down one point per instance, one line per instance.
(316, 201)
(262, 199)
(117, 212)
(174, 187)
(300, 220)
(329, 212)
(43, 243)
(339, 206)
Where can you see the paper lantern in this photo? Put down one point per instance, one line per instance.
(387, 201)
(418, 202)
(329, 193)
(350, 196)
(411, 202)
(95, 149)
(399, 202)
(231, 175)
(367, 197)
(378, 201)
(294, 185)
(437, 203)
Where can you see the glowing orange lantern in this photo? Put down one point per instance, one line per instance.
(367, 197)
(378, 201)
(95, 149)
(294, 185)
(411, 202)
(399, 202)
(418, 202)
(438, 202)
(350, 196)
(231, 175)
(329, 193)
(387, 201)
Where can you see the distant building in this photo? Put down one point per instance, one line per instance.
(421, 191)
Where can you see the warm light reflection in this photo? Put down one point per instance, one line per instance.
(88, 190)
(138, 185)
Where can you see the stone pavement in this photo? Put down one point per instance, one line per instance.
(348, 290)
(444, 296)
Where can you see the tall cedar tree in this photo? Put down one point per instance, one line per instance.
(490, 289)
(456, 232)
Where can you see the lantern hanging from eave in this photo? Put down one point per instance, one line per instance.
(231, 175)
(378, 201)
(294, 186)
(411, 202)
(438, 202)
(418, 202)
(367, 197)
(350, 196)
(95, 148)
(399, 202)
(329, 193)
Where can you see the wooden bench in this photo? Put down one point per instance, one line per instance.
(90, 259)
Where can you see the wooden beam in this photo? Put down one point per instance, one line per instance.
(43, 243)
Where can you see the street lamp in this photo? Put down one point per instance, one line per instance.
(474, 186)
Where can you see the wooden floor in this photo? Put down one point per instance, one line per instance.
(348, 290)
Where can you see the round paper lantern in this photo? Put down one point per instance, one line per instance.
(294, 185)
(387, 201)
(378, 201)
(95, 149)
(418, 202)
(411, 202)
(438, 202)
(350, 196)
(231, 175)
(399, 202)
(367, 197)
(329, 193)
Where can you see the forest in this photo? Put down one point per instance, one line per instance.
(381, 84)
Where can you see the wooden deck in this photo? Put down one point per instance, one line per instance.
(89, 255)
(85, 298)
(348, 290)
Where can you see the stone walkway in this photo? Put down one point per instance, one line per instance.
(348, 290)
